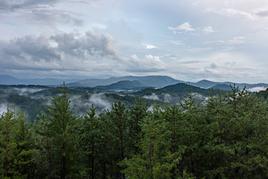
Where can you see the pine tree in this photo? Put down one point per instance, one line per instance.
(137, 114)
(44, 143)
(25, 149)
(119, 119)
(91, 138)
(155, 160)
(7, 145)
(173, 115)
(61, 124)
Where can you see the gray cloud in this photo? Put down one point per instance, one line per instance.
(132, 23)
(51, 15)
(29, 48)
(153, 96)
(86, 45)
(18, 4)
(262, 13)
(54, 51)
(45, 12)
(99, 100)
(146, 64)
(49, 48)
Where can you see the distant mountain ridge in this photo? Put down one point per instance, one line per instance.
(181, 89)
(163, 81)
(206, 84)
(10, 80)
(122, 85)
(222, 86)
(227, 86)
(146, 81)
(129, 83)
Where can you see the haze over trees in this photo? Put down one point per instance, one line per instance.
(225, 138)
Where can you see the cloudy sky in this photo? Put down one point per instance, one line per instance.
(186, 39)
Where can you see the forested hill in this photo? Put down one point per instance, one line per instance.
(226, 137)
(33, 99)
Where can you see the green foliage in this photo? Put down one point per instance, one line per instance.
(8, 145)
(155, 160)
(57, 139)
(16, 147)
(61, 128)
(226, 137)
(91, 142)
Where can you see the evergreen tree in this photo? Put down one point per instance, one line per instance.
(91, 138)
(61, 122)
(155, 159)
(137, 114)
(7, 145)
(173, 115)
(25, 149)
(57, 139)
(44, 143)
(225, 137)
(119, 119)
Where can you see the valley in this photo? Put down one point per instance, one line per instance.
(153, 90)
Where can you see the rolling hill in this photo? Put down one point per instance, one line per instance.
(10, 80)
(123, 86)
(152, 81)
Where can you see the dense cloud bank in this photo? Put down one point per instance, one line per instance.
(68, 51)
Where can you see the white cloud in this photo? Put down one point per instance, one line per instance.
(185, 27)
(208, 29)
(221, 66)
(149, 46)
(237, 40)
(152, 58)
(229, 12)
(176, 42)
(99, 100)
(257, 89)
(148, 63)
(153, 96)
(3, 109)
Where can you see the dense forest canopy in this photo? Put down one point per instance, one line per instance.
(225, 138)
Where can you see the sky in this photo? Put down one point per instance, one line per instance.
(221, 40)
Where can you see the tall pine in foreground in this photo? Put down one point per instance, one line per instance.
(137, 115)
(25, 148)
(155, 160)
(17, 149)
(7, 145)
(61, 125)
(57, 137)
(91, 140)
(119, 119)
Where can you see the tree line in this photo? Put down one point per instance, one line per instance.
(225, 138)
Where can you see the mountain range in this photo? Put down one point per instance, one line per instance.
(145, 81)
(130, 83)
(10, 80)
(226, 86)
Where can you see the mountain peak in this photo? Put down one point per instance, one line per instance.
(152, 81)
